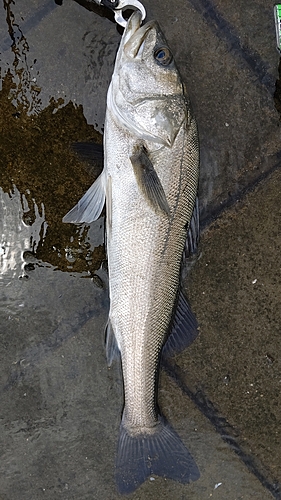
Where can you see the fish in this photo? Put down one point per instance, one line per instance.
(149, 183)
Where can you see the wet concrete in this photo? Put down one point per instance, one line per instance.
(60, 404)
(237, 293)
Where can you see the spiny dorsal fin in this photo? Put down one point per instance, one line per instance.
(191, 252)
(148, 180)
(91, 152)
(192, 240)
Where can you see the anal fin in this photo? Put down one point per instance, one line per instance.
(111, 346)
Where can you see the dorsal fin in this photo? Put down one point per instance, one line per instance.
(91, 152)
(184, 328)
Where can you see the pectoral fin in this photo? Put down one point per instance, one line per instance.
(91, 204)
(148, 180)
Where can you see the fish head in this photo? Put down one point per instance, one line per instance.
(146, 93)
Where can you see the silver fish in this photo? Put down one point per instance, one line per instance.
(149, 181)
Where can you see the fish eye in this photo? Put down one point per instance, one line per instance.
(163, 56)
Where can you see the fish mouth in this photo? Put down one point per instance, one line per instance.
(135, 35)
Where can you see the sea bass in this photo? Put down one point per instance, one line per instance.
(149, 182)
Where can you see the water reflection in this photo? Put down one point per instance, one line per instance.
(25, 91)
(23, 230)
(41, 178)
(18, 236)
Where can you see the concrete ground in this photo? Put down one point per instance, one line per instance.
(60, 404)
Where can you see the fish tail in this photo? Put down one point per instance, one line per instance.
(161, 453)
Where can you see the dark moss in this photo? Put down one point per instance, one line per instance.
(36, 157)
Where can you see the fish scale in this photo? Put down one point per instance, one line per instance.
(149, 182)
(144, 269)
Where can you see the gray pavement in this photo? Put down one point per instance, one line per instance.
(60, 404)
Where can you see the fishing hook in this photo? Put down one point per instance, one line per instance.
(118, 6)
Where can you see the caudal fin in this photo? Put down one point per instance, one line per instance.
(162, 454)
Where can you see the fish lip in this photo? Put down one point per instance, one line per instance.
(136, 34)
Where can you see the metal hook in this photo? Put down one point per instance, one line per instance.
(126, 5)
(119, 5)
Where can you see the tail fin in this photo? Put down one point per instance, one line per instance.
(161, 453)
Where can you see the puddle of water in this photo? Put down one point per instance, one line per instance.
(22, 243)
(44, 302)
(17, 237)
(79, 65)
(39, 174)
(41, 178)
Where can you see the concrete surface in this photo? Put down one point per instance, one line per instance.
(60, 404)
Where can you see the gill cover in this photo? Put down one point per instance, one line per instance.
(146, 93)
